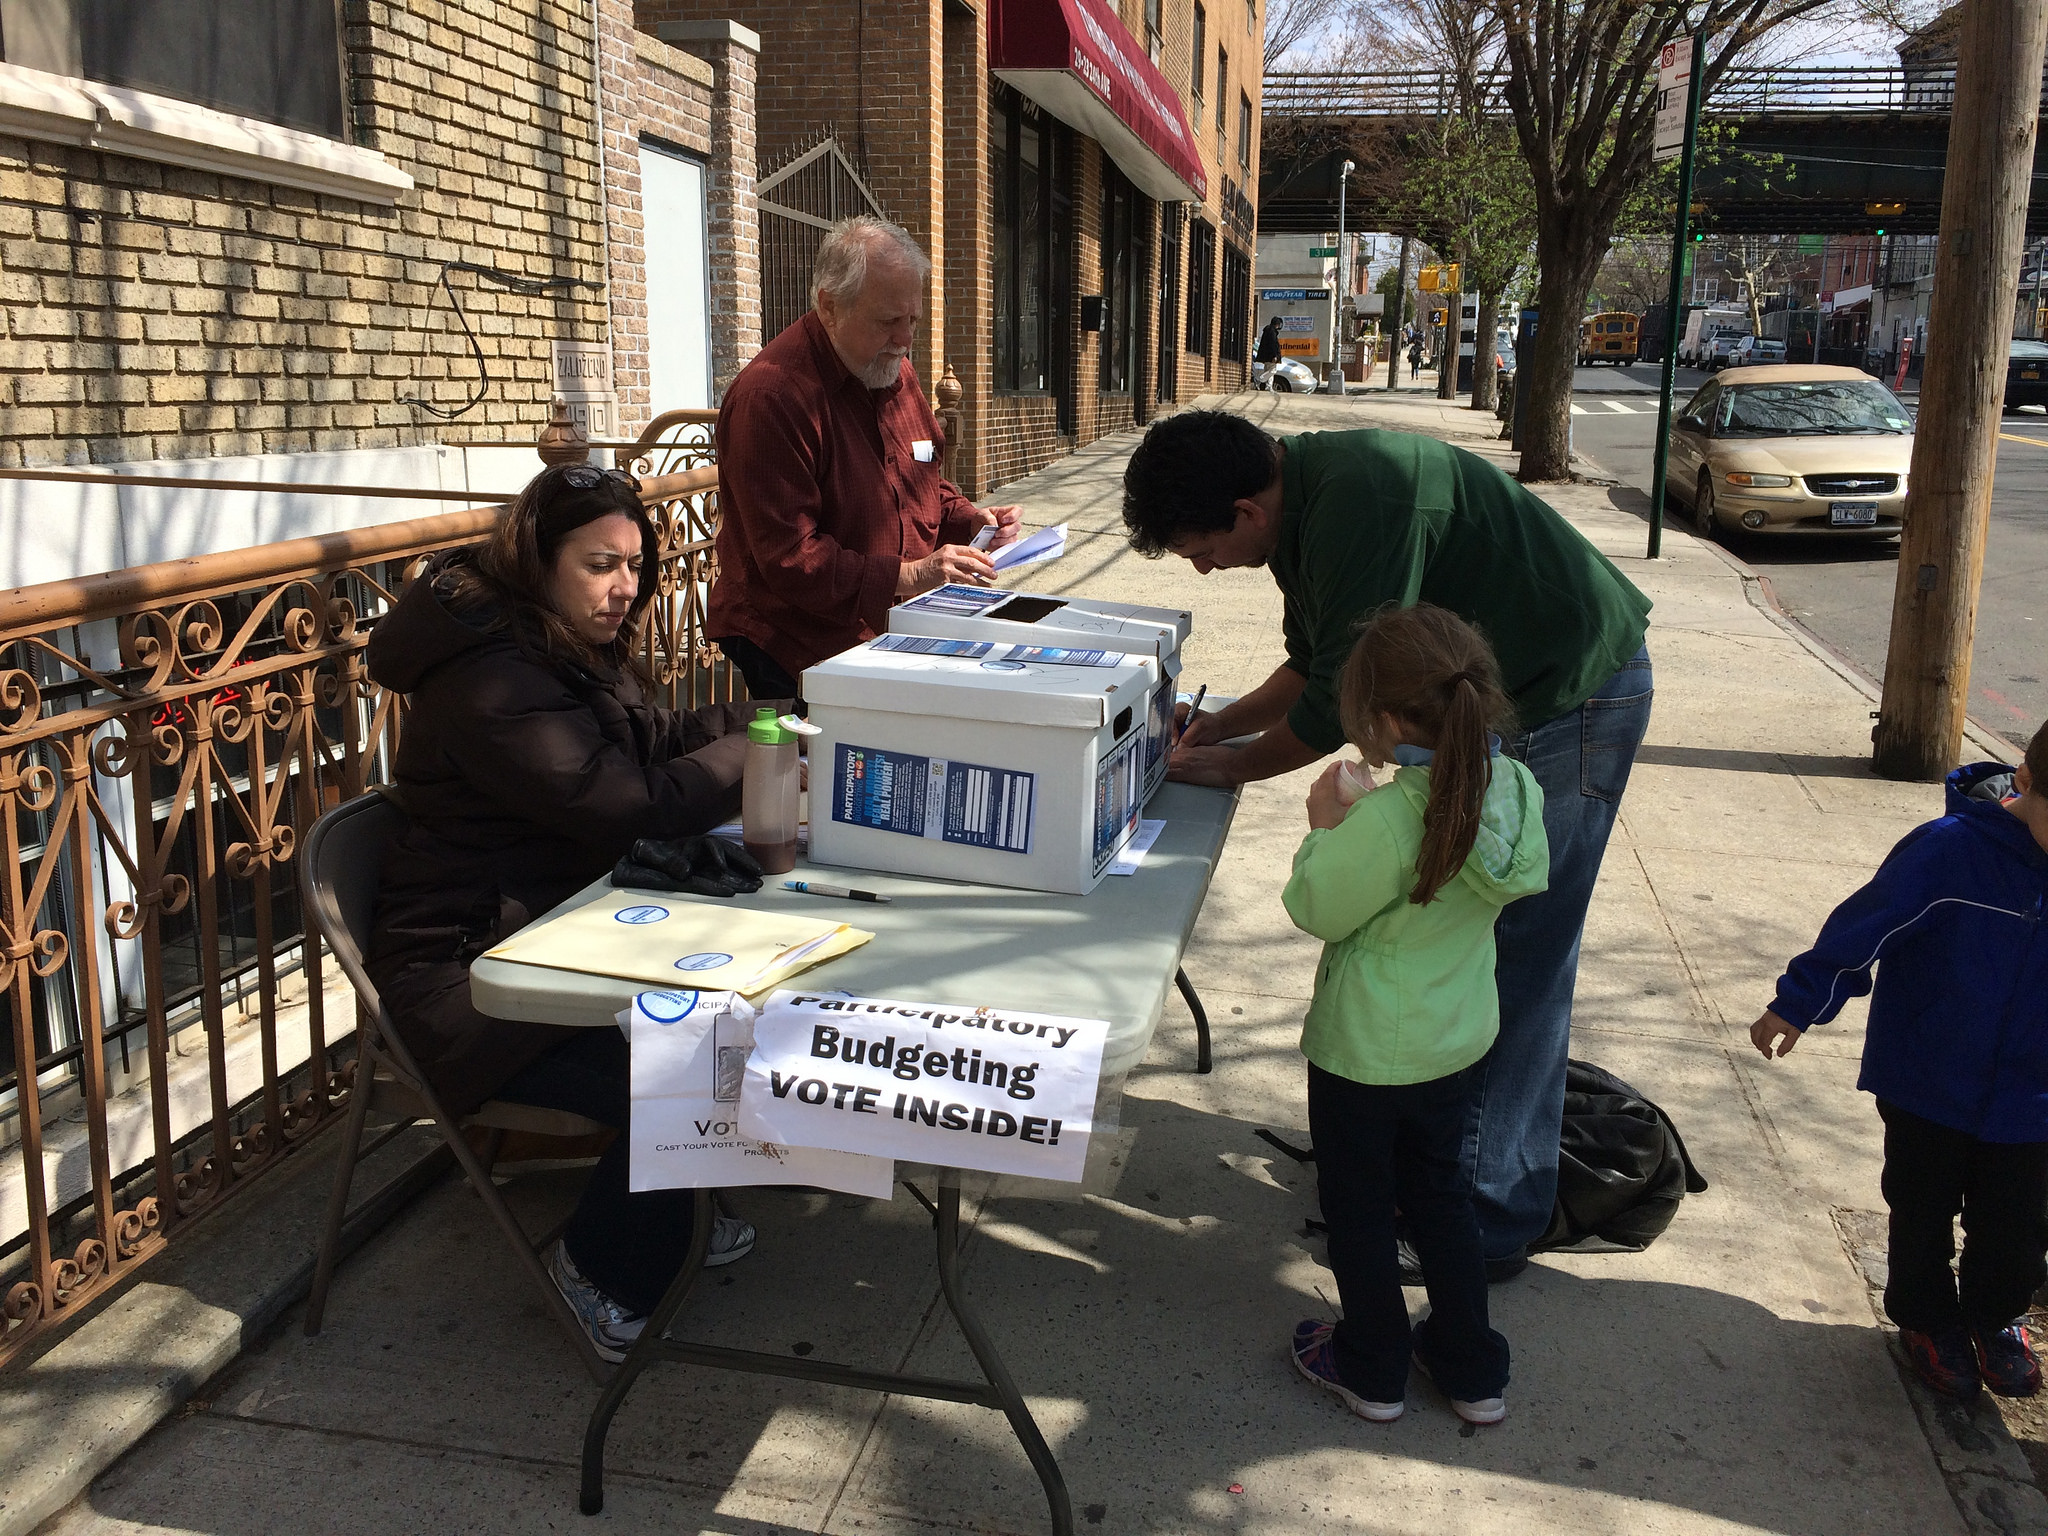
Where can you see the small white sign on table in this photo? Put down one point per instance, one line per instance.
(1674, 82)
(960, 1087)
(689, 1053)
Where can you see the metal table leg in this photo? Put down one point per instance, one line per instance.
(997, 1391)
(1187, 992)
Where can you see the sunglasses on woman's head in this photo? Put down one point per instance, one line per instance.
(588, 477)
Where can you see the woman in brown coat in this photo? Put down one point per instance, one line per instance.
(529, 761)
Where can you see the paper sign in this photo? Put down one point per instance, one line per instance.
(667, 939)
(961, 1087)
(967, 803)
(969, 602)
(689, 1054)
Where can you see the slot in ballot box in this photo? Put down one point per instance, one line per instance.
(949, 757)
(1031, 619)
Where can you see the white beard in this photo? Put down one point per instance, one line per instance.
(884, 370)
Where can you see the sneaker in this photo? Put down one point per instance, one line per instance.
(1315, 1356)
(1946, 1361)
(610, 1328)
(2006, 1361)
(1478, 1410)
(731, 1239)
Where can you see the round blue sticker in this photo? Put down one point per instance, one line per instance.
(638, 915)
(667, 1007)
(703, 962)
(1003, 666)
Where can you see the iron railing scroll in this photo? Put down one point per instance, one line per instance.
(167, 734)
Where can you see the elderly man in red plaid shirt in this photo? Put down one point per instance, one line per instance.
(831, 503)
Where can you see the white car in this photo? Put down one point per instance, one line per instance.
(1288, 377)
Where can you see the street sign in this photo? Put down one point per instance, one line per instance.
(1813, 245)
(1674, 75)
(1322, 250)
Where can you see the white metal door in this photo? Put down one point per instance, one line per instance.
(678, 280)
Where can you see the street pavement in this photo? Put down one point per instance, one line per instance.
(1733, 1378)
(1841, 589)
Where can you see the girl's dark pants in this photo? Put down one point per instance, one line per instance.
(1379, 1147)
(1932, 1174)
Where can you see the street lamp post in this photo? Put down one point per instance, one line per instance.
(1333, 383)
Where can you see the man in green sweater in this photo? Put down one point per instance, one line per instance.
(1349, 522)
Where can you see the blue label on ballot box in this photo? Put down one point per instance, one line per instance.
(965, 803)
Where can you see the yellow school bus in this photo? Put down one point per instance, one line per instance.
(1609, 337)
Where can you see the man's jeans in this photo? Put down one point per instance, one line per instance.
(1582, 760)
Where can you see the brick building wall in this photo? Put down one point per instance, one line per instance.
(156, 311)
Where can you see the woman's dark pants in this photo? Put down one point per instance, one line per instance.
(628, 1245)
(1933, 1174)
(1378, 1147)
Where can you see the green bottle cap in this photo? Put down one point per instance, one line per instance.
(768, 730)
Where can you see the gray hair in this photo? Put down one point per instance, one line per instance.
(850, 245)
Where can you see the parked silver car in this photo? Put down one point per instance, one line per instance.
(1289, 376)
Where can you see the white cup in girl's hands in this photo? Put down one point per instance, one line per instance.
(1354, 780)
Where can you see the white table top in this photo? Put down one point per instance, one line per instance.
(1109, 955)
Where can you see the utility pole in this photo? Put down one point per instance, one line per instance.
(1400, 311)
(1334, 381)
(1820, 290)
(1919, 732)
(1685, 53)
(1454, 337)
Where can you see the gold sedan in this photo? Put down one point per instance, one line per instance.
(1792, 449)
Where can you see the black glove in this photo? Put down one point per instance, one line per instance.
(695, 866)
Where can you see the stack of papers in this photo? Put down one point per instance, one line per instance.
(673, 941)
(1046, 544)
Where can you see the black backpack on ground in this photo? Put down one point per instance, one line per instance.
(1622, 1168)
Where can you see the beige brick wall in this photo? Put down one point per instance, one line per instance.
(152, 311)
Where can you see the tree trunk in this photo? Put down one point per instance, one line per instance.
(1919, 732)
(1484, 397)
(1568, 258)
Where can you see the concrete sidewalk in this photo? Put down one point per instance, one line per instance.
(1732, 1378)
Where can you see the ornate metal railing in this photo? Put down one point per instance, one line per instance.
(167, 734)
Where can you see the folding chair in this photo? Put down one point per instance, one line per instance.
(338, 876)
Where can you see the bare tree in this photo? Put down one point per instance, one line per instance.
(1636, 276)
(1294, 26)
(1582, 89)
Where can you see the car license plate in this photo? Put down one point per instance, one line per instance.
(1852, 514)
(2030, 373)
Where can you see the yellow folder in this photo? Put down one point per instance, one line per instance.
(673, 942)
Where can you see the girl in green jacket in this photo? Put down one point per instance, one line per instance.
(1403, 886)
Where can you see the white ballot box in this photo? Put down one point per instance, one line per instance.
(951, 757)
(1027, 621)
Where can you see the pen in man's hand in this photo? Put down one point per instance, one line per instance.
(1194, 709)
(815, 888)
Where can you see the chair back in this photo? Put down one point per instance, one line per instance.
(338, 877)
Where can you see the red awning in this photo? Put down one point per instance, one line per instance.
(1077, 59)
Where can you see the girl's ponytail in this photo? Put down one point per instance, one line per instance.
(1458, 779)
(1428, 667)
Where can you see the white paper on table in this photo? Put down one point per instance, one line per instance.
(959, 1086)
(1046, 544)
(1134, 851)
(689, 1051)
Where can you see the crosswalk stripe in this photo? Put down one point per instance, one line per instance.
(1616, 405)
(1578, 409)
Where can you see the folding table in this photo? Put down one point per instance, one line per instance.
(1109, 955)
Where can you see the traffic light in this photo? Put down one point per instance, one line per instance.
(1699, 238)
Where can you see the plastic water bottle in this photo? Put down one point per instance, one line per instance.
(768, 794)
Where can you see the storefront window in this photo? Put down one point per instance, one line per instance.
(1121, 210)
(1237, 304)
(1167, 373)
(1201, 284)
(1021, 144)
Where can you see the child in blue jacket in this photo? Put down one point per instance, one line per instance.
(1956, 920)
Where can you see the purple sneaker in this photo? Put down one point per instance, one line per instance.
(2006, 1360)
(1946, 1361)
(1315, 1356)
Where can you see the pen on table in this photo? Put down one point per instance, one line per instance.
(1194, 709)
(816, 888)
